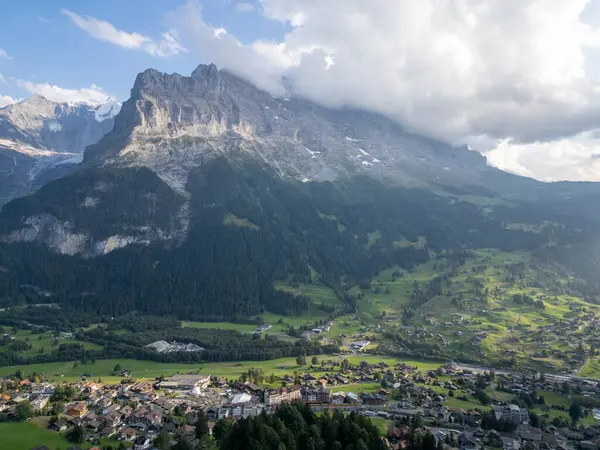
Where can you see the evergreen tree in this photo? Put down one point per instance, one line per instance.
(201, 425)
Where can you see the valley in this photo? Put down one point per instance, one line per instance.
(264, 246)
(484, 307)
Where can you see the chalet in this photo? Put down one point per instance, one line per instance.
(141, 443)
(77, 410)
(338, 398)
(468, 444)
(359, 345)
(373, 399)
(509, 443)
(127, 434)
(93, 426)
(529, 434)
(395, 434)
(108, 432)
(262, 329)
(340, 379)
(59, 425)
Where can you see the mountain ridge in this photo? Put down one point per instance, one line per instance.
(168, 120)
(40, 139)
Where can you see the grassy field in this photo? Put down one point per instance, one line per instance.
(316, 292)
(590, 369)
(555, 398)
(381, 424)
(241, 327)
(45, 342)
(150, 369)
(25, 436)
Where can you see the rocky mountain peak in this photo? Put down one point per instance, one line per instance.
(40, 139)
(173, 123)
(206, 71)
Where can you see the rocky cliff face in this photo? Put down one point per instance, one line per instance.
(173, 123)
(40, 139)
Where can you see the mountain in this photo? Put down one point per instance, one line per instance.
(173, 123)
(207, 192)
(41, 139)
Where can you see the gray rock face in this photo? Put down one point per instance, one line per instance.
(61, 237)
(173, 123)
(40, 139)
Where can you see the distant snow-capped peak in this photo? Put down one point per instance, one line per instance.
(109, 109)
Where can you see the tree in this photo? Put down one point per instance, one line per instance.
(575, 412)
(565, 388)
(117, 368)
(535, 419)
(222, 429)
(183, 444)
(418, 421)
(482, 396)
(345, 365)
(301, 360)
(162, 441)
(76, 434)
(201, 425)
(314, 360)
(428, 442)
(24, 410)
(57, 408)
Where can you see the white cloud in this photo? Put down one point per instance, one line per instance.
(2, 79)
(92, 95)
(105, 31)
(575, 158)
(244, 7)
(4, 55)
(458, 70)
(6, 100)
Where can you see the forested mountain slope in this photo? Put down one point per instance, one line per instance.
(208, 191)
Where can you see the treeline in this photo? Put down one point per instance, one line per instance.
(295, 426)
(219, 345)
(246, 352)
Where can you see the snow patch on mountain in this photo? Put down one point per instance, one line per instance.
(108, 110)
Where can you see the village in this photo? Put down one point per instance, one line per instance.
(464, 409)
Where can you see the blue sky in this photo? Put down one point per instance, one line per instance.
(44, 45)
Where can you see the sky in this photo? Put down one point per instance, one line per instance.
(518, 80)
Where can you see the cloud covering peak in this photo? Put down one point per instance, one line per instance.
(488, 72)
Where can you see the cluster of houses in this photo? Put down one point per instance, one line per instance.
(135, 412)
